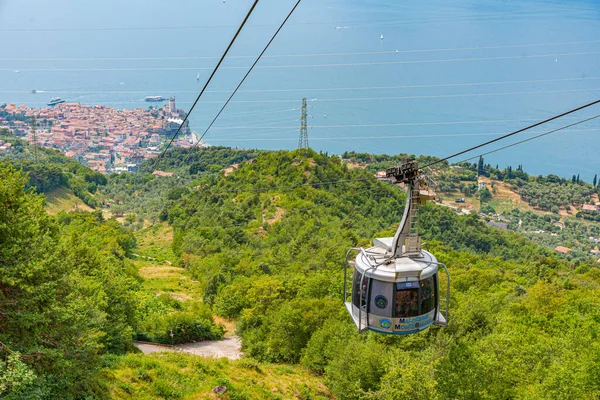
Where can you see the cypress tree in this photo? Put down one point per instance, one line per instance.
(480, 166)
(595, 180)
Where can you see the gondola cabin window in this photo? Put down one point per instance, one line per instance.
(428, 295)
(407, 299)
(358, 287)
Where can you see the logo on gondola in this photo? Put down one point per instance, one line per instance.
(381, 302)
(385, 323)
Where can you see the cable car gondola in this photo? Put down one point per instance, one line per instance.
(395, 285)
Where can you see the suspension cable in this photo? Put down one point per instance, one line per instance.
(248, 72)
(209, 80)
(512, 133)
(531, 138)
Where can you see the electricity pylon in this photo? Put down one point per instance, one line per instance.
(303, 140)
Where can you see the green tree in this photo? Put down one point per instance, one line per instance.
(484, 194)
(15, 376)
(65, 296)
(359, 371)
(480, 166)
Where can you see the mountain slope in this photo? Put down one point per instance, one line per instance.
(518, 314)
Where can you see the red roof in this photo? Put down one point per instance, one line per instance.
(562, 249)
(162, 173)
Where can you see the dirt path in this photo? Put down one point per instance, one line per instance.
(154, 259)
(228, 347)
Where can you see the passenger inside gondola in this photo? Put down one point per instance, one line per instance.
(407, 302)
(427, 295)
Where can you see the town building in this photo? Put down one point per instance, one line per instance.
(562, 249)
(100, 137)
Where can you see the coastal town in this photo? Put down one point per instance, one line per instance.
(103, 138)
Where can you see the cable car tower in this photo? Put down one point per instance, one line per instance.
(395, 285)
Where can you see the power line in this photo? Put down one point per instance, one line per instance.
(513, 133)
(378, 22)
(363, 99)
(441, 96)
(267, 122)
(435, 61)
(344, 126)
(269, 188)
(467, 84)
(343, 54)
(249, 71)
(209, 79)
(157, 28)
(531, 138)
(35, 144)
(351, 138)
(298, 210)
(346, 138)
(256, 113)
(266, 189)
(244, 137)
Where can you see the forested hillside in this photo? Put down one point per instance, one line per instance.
(145, 194)
(266, 243)
(70, 296)
(49, 170)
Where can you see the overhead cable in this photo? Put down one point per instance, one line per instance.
(513, 133)
(209, 79)
(354, 138)
(435, 61)
(248, 72)
(363, 99)
(474, 122)
(304, 90)
(531, 138)
(266, 188)
(370, 22)
(300, 209)
(329, 22)
(357, 53)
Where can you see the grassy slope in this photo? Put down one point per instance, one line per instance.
(504, 200)
(63, 199)
(185, 376)
(155, 262)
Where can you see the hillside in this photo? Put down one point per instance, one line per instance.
(63, 199)
(144, 194)
(67, 184)
(262, 246)
(549, 210)
(513, 302)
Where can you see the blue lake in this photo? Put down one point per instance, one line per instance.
(446, 75)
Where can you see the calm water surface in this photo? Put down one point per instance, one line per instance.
(445, 76)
